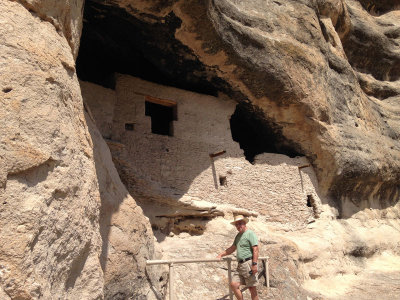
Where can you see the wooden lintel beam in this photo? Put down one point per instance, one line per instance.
(212, 155)
(164, 102)
(304, 166)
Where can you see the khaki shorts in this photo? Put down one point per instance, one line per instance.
(243, 276)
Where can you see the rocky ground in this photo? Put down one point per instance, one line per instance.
(379, 280)
(327, 260)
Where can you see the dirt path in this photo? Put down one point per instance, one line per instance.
(376, 285)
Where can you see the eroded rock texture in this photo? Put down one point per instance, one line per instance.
(324, 74)
(321, 79)
(67, 223)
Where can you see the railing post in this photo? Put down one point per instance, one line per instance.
(171, 281)
(267, 271)
(229, 261)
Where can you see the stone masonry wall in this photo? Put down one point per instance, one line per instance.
(178, 169)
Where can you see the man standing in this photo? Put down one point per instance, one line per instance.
(246, 244)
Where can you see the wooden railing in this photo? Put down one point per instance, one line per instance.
(228, 260)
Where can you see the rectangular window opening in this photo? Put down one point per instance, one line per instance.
(129, 126)
(162, 113)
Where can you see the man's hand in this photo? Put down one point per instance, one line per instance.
(254, 269)
(228, 251)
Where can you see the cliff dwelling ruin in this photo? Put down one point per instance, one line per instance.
(161, 134)
(135, 131)
(165, 159)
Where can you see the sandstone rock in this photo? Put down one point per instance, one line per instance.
(63, 210)
(345, 260)
(49, 230)
(383, 31)
(127, 239)
(66, 17)
(337, 12)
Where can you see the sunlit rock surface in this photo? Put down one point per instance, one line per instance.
(312, 88)
(68, 226)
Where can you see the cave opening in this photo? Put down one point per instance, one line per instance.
(115, 41)
(256, 135)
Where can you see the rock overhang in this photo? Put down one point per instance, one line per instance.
(297, 76)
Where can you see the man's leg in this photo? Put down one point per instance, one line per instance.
(236, 290)
(253, 292)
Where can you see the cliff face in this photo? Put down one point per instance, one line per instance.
(306, 74)
(67, 222)
(323, 74)
(318, 91)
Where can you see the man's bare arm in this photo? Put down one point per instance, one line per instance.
(228, 251)
(255, 253)
(254, 268)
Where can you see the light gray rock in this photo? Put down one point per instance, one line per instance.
(63, 209)
(50, 236)
(66, 17)
(127, 238)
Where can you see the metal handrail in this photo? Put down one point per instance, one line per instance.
(229, 260)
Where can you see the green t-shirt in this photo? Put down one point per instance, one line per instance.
(244, 243)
